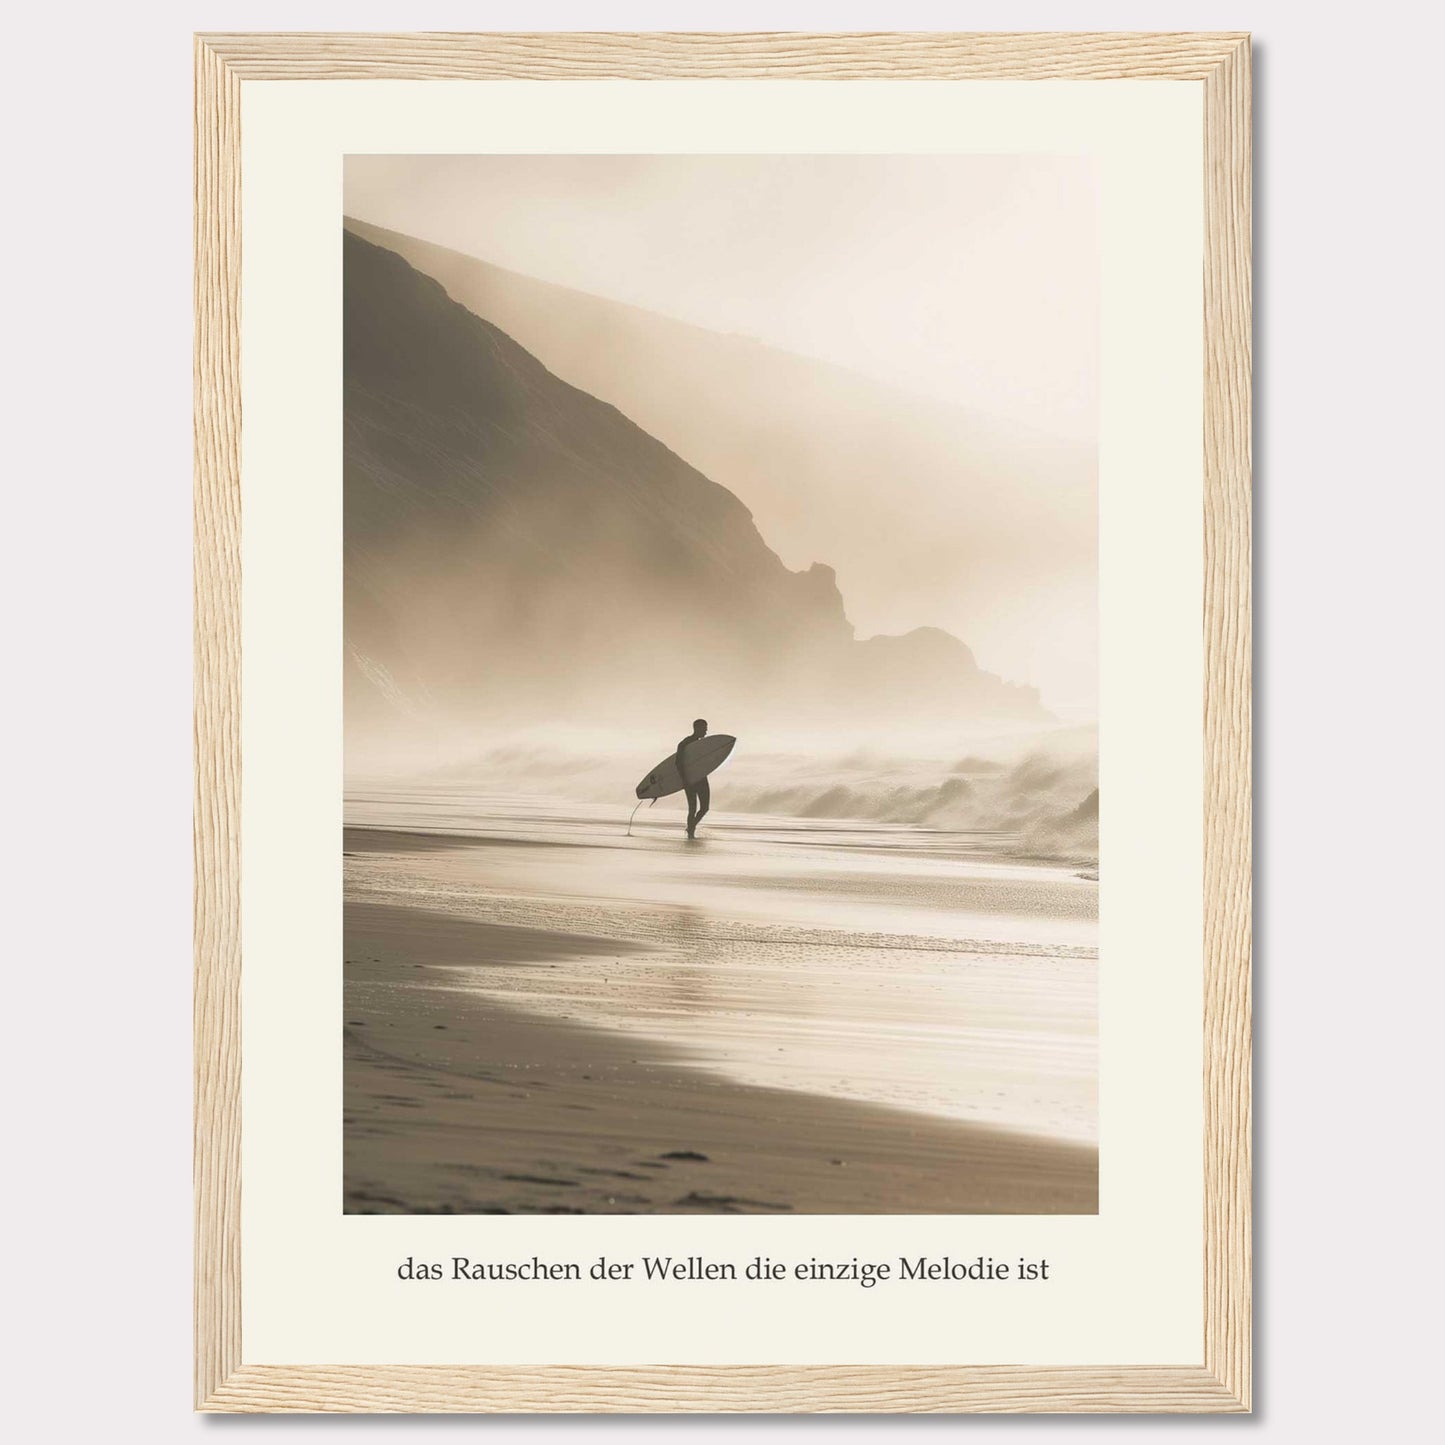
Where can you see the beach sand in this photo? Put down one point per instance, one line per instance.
(543, 1015)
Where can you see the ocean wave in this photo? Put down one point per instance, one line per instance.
(1038, 802)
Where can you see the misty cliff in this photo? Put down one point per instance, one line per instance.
(515, 547)
(990, 529)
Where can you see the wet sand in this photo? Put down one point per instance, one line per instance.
(543, 1015)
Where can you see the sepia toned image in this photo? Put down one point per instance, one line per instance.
(721, 684)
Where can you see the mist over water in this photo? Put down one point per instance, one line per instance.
(573, 524)
(1020, 793)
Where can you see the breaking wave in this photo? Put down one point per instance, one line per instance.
(1037, 803)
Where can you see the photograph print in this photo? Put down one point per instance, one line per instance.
(721, 822)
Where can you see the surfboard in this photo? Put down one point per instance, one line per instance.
(701, 757)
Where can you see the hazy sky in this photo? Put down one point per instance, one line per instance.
(974, 279)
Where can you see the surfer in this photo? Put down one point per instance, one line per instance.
(685, 770)
(698, 793)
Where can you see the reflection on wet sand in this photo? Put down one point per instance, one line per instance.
(777, 1017)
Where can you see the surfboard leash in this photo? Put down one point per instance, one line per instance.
(640, 802)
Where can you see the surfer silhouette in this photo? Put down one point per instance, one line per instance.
(685, 770)
(699, 795)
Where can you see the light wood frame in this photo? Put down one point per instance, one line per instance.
(1221, 64)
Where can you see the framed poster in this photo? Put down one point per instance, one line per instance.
(722, 722)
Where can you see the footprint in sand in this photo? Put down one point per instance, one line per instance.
(727, 1202)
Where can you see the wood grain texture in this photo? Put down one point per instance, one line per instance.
(1227, 765)
(742, 1389)
(1222, 1383)
(217, 641)
(611, 55)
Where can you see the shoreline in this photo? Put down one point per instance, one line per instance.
(458, 1101)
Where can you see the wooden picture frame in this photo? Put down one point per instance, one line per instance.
(1220, 65)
